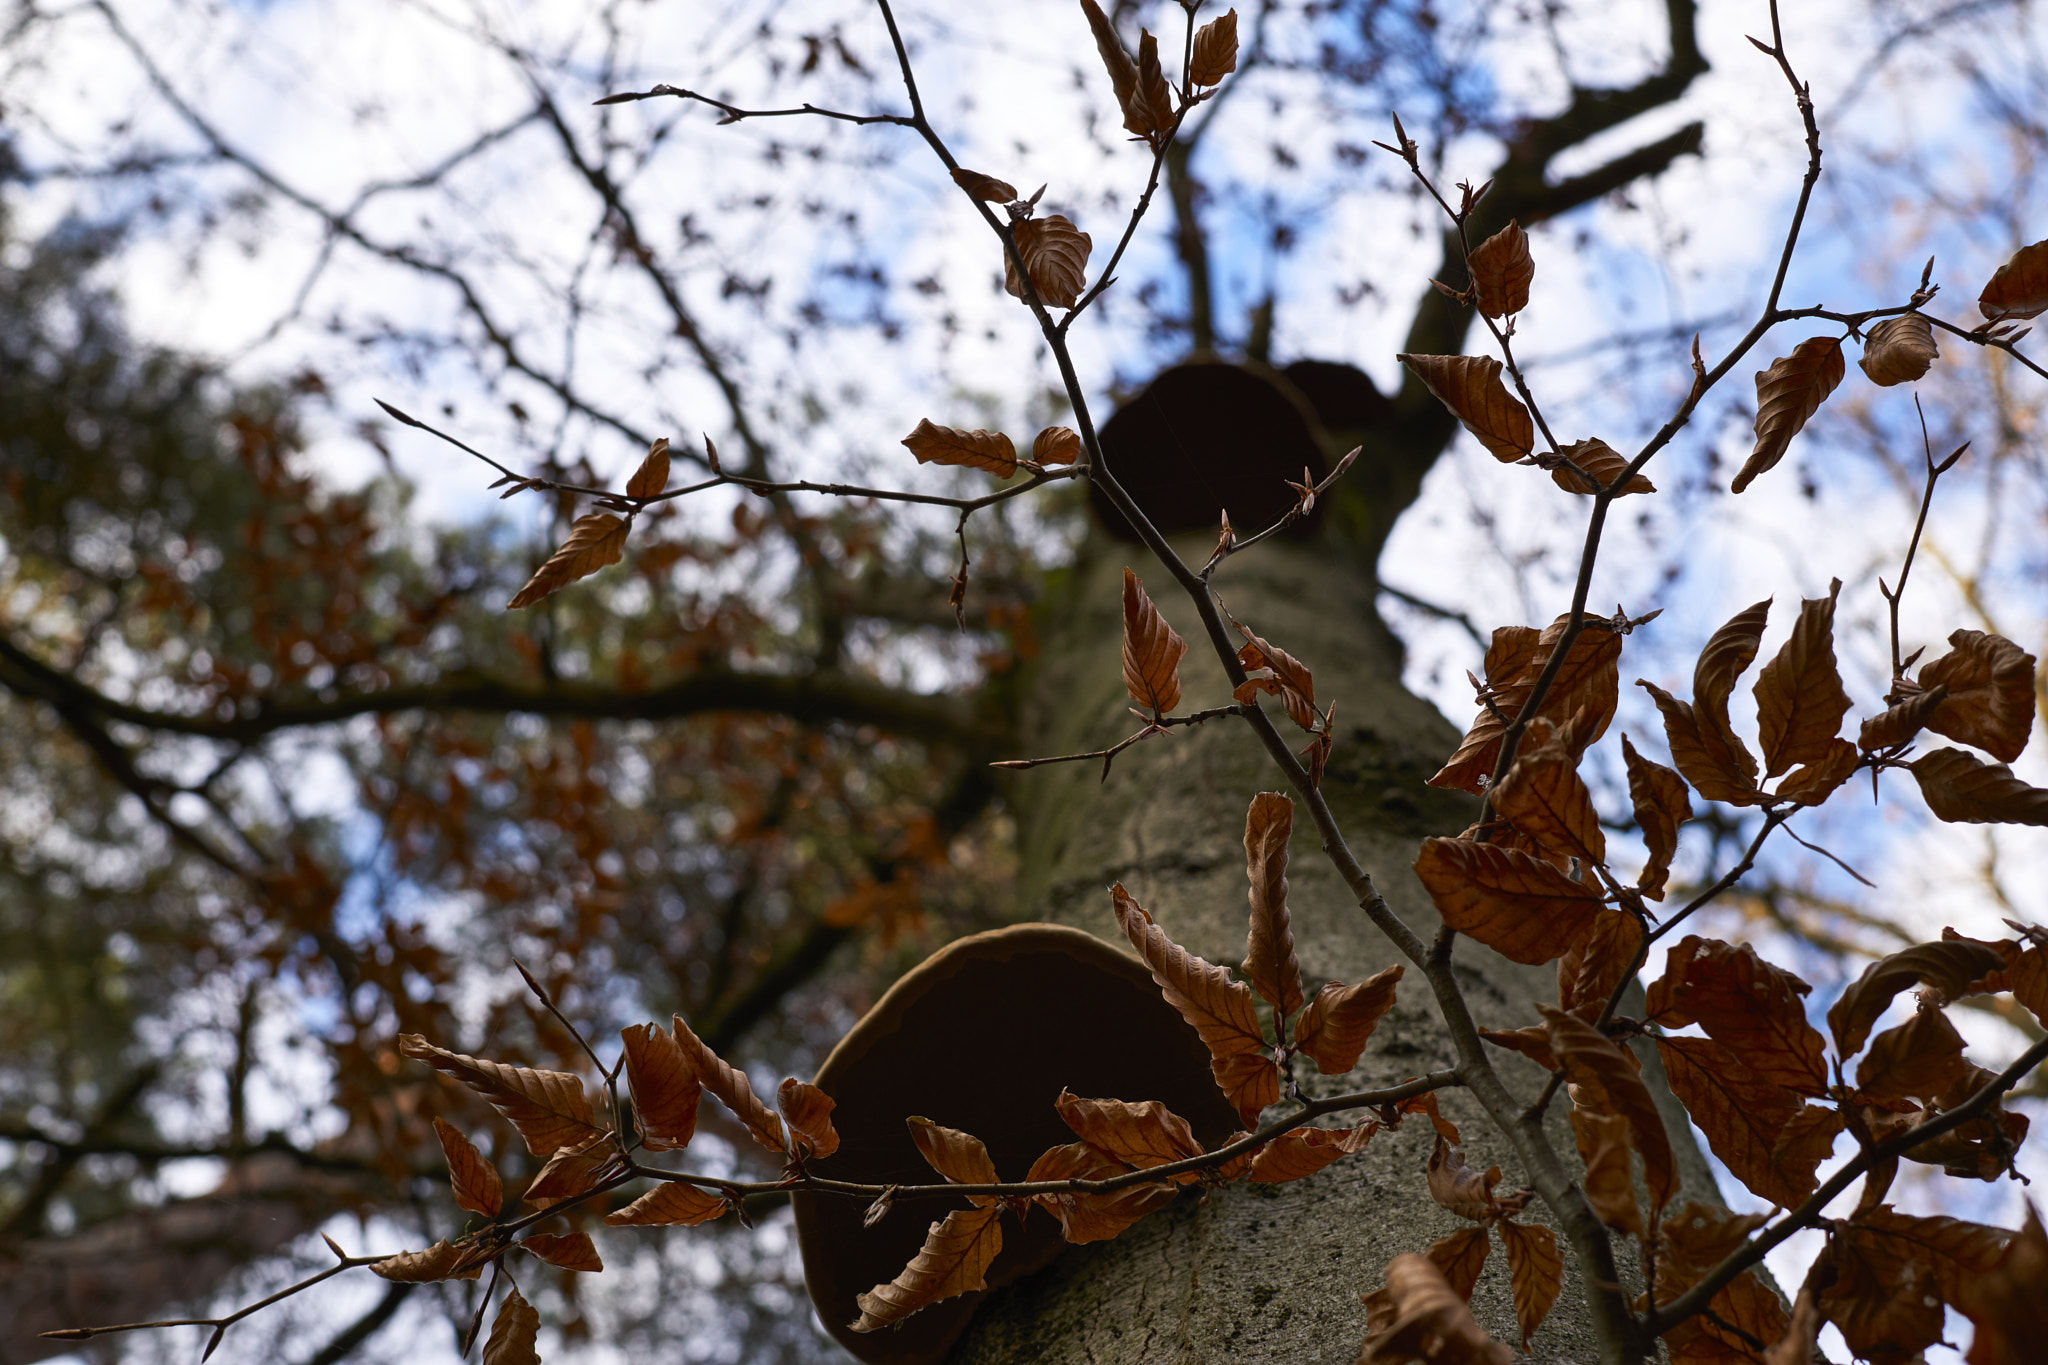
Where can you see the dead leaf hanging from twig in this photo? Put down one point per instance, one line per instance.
(595, 541)
(1788, 393)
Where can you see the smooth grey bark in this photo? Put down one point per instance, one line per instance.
(1254, 1273)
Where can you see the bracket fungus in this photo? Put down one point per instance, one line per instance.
(982, 1036)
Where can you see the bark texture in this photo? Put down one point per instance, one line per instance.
(1255, 1273)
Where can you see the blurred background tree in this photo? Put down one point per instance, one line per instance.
(284, 780)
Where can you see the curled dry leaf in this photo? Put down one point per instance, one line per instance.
(1600, 460)
(548, 1108)
(1152, 651)
(441, 1261)
(1154, 98)
(1088, 1218)
(1123, 72)
(470, 1173)
(1502, 269)
(1428, 1321)
(1057, 445)
(652, 475)
(1456, 1186)
(955, 1255)
(1742, 1115)
(1461, 1256)
(1469, 385)
(569, 1172)
(1334, 1029)
(1921, 1058)
(1426, 1104)
(732, 1089)
(1269, 961)
(1220, 1009)
(1546, 799)
(1519, 906)
(1899, 724)
(977, 449)
(1700, 753)
(960, 1157)
(1215, 54)
(1799, 698)
(1598, 962)
(673, 1203)
(1610, 1186)
(1304, 1151)
(1661, 805)
(1953, 967)
(2019, 288)
(664, 1087)
(1584, 693)
(2005, 1303)
(808, 1112)
(1814, 783)
(1532, 1041)
(1056, 254)
(1141, 1135)
(513, 1333)
(1990, 702)
(1273, 670)
(1961, 788)
(984, 187)
(1898, 350)
(569, 1250)
(1893, 1274)
(1536, 1273)
(1609, 1082)
(1746, 1004)
(1788, 393)
(595, 541)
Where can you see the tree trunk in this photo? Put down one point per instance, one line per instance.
(1257, 1272)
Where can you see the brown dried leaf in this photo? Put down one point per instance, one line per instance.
(2019, 288)
(1893, 1273)
(1269, 961)
(1219, 1008)
(1152, 651)
(1990, 702)
(1603, 462)
(732, 1089)
(1788, 393)
(977, 449)
(670, 1204)
(1519, 906)
(2005, 1304)
(1141, 1135)
(1426, 1104)
(1953, 967)
(513, 1333)
(960, 1157)
(1429, 1321)
(1123, 72)
(1799, 698)
(1056, 254)
(984, 187)
(1502, 269)
(548, 1108)
(1920, 1058)
(1273, 670)
(955, 1254)
(1707, 763)
(1608, 1082)
(1304, 1151)
(1899, 724)
(664, 1086)
(1093, 1217)
(1215, 54)
(1741, 1114)
(1661, 805)
(1963, 789)
(437, 1262)
(1609, 1185)
(1728, 652)
(1801, 1338)
(1747, 1005)
(1545, 798)
(595, 540)
(1334, 1029)
(569, 1172)
(1584, 692)
(1469, 385)
(1532, 1042)
(1752, 1313)
(1596, 964)
(1456, 1186)
(652, 475)
(569, 1250)
(1536, 1271)
(1154, 99)
(1815, 782)
(1056, 446)
(808, 1112)
(1461, 1256)
(1898, 350)
(470, 1173)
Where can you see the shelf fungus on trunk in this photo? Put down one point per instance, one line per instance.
(983, 1036)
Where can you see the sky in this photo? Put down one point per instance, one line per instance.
(333, 108)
